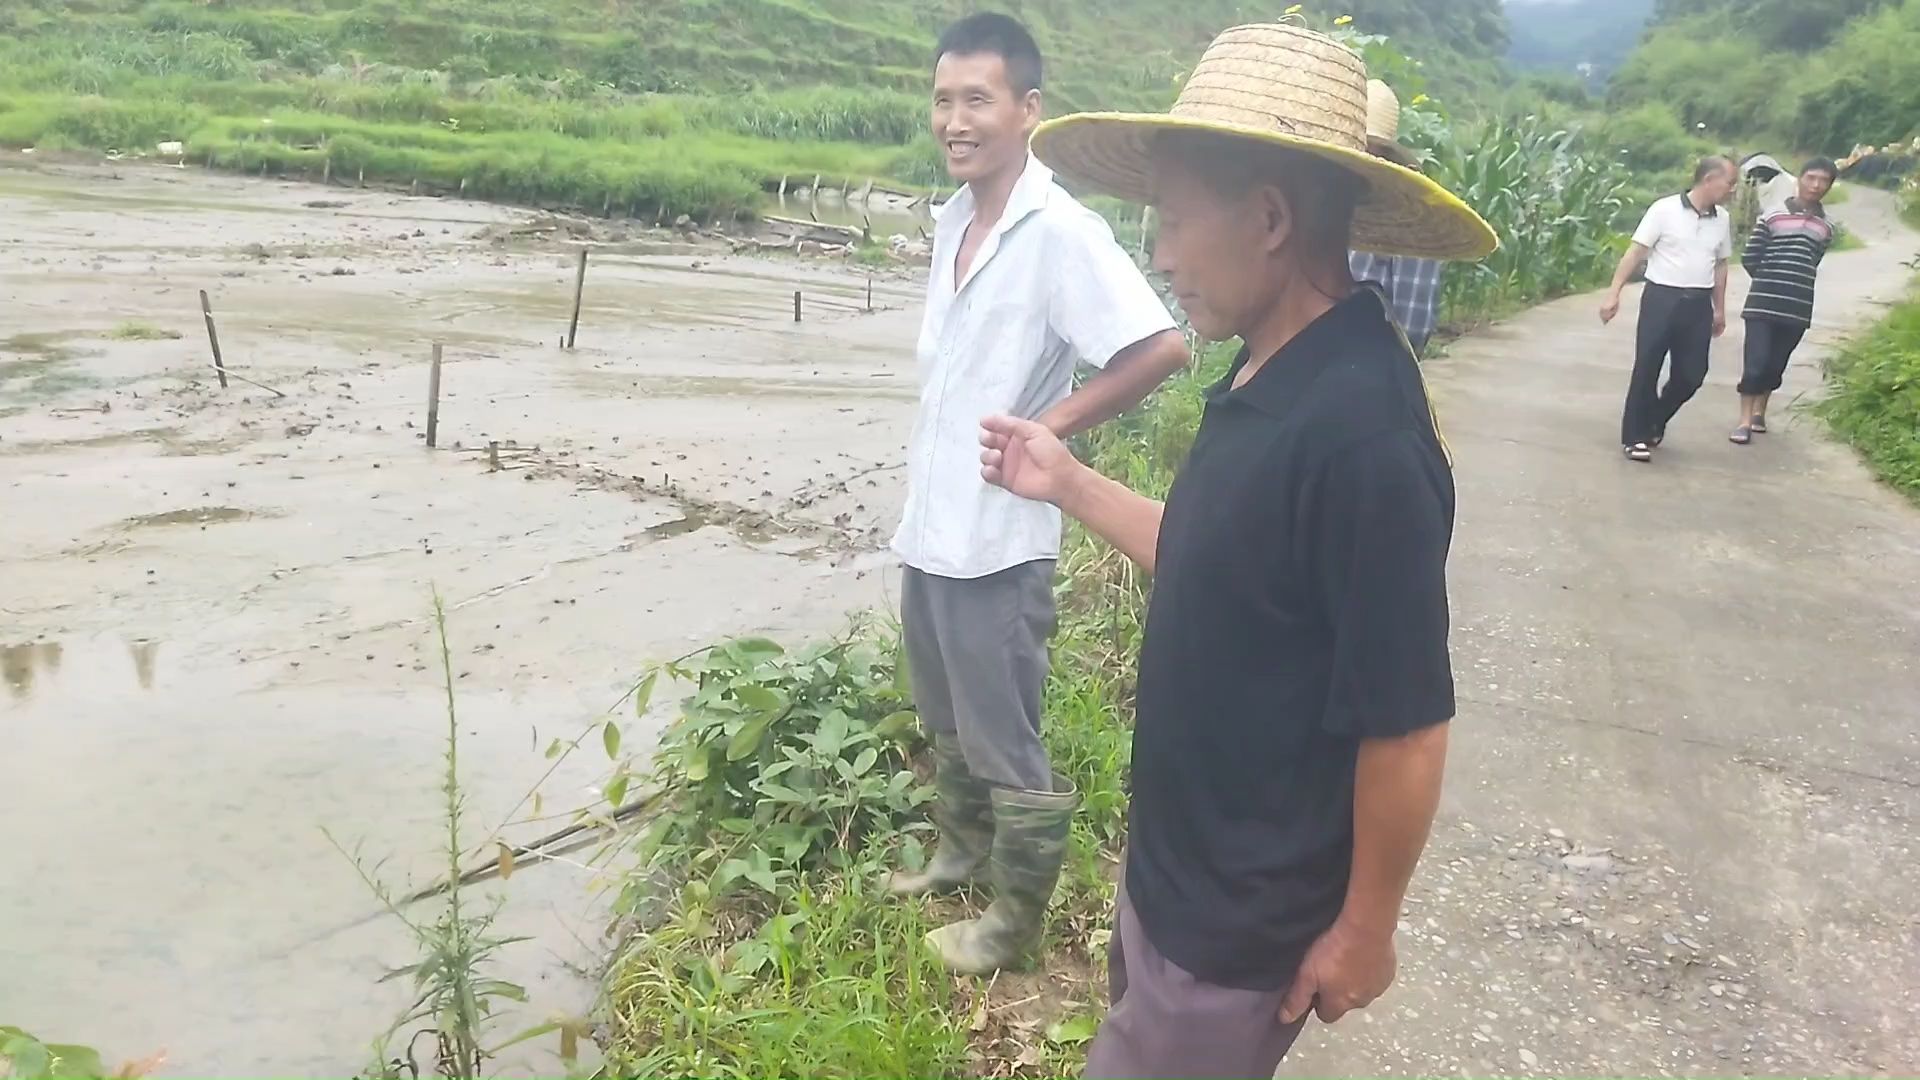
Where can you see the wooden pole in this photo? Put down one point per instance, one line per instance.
(796, 305)
(493, 456)
(579, 283)
(213, 338)
(869, 294)
(433, 400)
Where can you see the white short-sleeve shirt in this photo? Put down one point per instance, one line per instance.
(1686, 245)
(1048, 287)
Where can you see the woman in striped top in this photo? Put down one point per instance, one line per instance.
(1782, 257)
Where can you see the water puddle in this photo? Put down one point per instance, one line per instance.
(198, 515)
(886, 217)
(174, 889)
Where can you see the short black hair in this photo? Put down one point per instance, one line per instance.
(1001, 35)
(1821, 164)
(1711, 164)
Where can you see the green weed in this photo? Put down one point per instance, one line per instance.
(453, 997)
(135, 330)
(1874, 399)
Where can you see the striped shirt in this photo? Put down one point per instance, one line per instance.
(1783, 255)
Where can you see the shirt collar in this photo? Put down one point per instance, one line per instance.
(1712, 212)
(1353, 328)
(1029, 194)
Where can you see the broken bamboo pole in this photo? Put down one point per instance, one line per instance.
(579, 285)
(433, 400)
(213, 338)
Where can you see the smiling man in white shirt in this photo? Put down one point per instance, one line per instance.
(1026, 284)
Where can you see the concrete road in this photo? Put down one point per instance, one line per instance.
(1680, 830)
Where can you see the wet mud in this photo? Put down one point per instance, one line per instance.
(217, 633)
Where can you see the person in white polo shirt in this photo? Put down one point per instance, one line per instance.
(1026, 283)
(1685, 241)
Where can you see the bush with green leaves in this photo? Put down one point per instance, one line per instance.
(781, 764)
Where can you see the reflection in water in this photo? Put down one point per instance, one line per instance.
(18, 663)
(21, 665)
(143, 653)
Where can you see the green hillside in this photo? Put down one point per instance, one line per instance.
(1114, 54)
(669, 106)
(1811, 74)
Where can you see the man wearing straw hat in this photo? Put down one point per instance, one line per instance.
(1295, 689)
(1025, 283)
(1411, 285)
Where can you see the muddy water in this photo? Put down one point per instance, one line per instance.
(215, 632)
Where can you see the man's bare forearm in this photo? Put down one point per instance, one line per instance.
(1126, 381)
(1629, 262)
(1127, 520)
(1396, 790)
(1720, 288)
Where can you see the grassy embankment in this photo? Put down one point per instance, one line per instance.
(667, 107)
(1873, 399)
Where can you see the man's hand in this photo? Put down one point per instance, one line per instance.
(1346, 969)
(1719, 323)
(1027, 459)
(1609, 308)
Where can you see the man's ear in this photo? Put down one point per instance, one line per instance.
(1033, 108)
(1276, 220)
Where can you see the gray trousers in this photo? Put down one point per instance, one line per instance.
(977, 655)
(1164, 1023)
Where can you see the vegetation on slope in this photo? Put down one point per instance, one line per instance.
(1813, 74)
(663, 107)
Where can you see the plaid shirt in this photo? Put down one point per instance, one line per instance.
(1411, 286)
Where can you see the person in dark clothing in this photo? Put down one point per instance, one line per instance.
(1685, 241)
(1783, 258)
(1295, 686)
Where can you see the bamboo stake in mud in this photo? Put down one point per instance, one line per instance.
(579, 283)
(433, 399)
(796, 305)
(213, 338)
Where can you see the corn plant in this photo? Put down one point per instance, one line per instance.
(1554, 205)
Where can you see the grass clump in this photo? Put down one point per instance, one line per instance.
(1874, 399)
(135, 330)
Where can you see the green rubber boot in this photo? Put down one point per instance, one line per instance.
(963, 813)
(1029, 846)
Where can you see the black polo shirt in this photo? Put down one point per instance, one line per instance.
(1299, 606)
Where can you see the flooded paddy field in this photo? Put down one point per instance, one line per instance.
(215, 605)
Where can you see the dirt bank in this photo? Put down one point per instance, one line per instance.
(216, 604)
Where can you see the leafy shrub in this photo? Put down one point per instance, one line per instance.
(1648, 137)
(782, 764)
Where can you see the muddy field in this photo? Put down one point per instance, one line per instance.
(216, 634)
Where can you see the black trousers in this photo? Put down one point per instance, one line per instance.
(1770, 344)
(1676, 324)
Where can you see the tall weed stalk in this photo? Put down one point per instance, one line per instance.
(453, 996)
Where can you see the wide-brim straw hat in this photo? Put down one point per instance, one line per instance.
(1383, 126)
(1282, 86)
